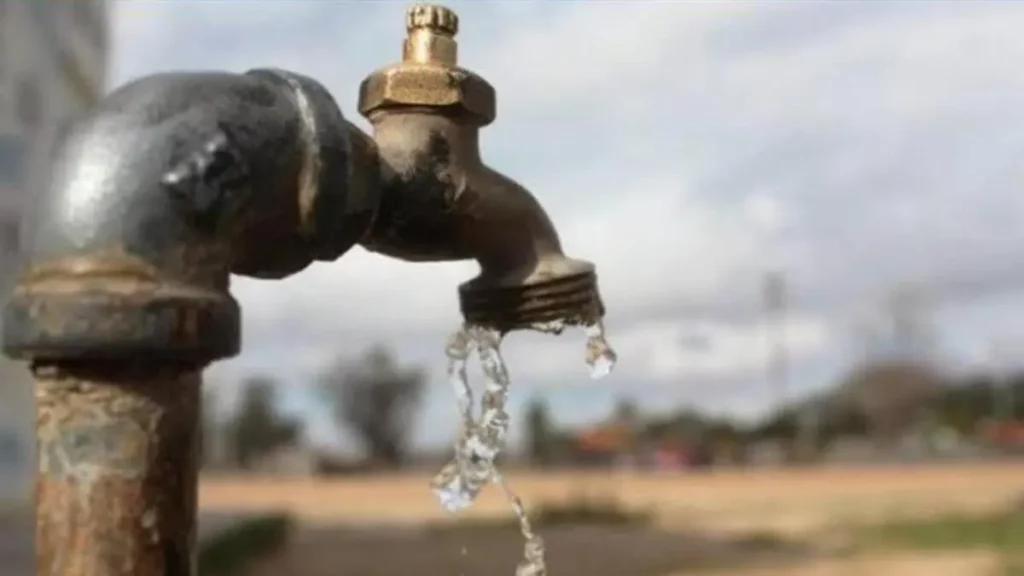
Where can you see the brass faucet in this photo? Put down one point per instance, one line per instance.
(441, 202)
(178, 179)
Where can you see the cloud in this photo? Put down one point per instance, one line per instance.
(684, 147)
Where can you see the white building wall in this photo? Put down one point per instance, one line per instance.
(53, 59)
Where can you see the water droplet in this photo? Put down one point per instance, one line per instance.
(555, 327)
(600, 357)
(450, 488)
(533, 563)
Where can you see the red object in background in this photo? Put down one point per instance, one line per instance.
(668, 459)
(672, 456)
(604, 439)
(1005, 433)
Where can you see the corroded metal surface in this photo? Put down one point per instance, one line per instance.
(17, 553)
(176, 180)
(169, 184)
(68, 307)
(179, 178)
(116, 483)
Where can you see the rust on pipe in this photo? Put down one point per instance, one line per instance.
(176, 180)
(171, 183)
(116, 483)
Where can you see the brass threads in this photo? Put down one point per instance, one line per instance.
(430, 36)
(432, 17)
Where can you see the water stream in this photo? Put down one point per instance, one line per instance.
(481, 439)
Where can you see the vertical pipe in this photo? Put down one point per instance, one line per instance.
(117, 469)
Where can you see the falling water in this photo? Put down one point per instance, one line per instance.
(481, 439)
(600, 356)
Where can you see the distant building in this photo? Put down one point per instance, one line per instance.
(53, 61)
(1007, 436)
(602, 445)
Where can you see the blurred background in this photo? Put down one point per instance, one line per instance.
(804, 217)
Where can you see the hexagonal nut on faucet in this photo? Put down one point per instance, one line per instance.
(428, 75)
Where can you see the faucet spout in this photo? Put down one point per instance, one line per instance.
(439, 201)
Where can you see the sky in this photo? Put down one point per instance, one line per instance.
(687, 149)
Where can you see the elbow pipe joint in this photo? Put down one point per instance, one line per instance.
(440, 201)
(170, 184)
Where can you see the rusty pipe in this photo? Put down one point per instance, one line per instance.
(172, 182)
(440, 201)
(176, 180)
(117, 447)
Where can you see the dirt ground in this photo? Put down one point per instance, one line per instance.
(800, 499)
(571, 551)
(931, 564)
(699, 517)
(589, 553)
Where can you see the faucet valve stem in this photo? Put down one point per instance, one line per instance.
(428, 76)
(432, 17)
(430, 36)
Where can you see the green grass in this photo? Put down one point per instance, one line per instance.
(994, 531)
(577, 511)
(1000, 533)
(229, 552)
(589, 511)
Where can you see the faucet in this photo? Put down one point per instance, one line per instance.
(179, 179)
(441, 202)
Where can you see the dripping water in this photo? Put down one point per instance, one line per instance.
(600, 356)
(480, 440)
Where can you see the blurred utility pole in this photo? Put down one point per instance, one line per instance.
(910, 323)
(913, 341)
(1003, 397)
(775, 311)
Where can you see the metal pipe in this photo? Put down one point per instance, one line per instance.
(117, 455)
(172, 182)
(176, 180)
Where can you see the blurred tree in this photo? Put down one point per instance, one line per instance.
(627, 412)
(376, 400)
(627, 415)
(974, 399)
(893, 396)
(779, 425)
(685, 426)
(1016, 383)
(540, 433)
(841, 419)
(966, 403)
(257, 428)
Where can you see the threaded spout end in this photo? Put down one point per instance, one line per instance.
(566, 301)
